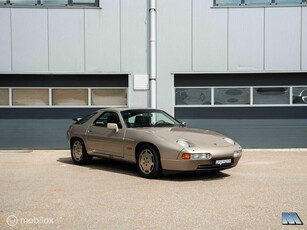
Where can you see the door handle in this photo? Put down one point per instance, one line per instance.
(89, 131)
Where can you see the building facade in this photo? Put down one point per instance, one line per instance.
(235, 66)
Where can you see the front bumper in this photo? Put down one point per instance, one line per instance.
(198, 165)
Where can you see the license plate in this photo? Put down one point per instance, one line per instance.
(223, 162)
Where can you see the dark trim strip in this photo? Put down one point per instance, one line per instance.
(242, 113)
(64, 80)
(239, 79)
(44, 113)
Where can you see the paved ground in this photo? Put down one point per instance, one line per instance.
(44, 190)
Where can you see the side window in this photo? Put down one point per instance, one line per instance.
(85, 119)
(108, 117)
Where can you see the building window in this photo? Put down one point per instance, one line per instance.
(69, 97)
(193, 96)
(272, 95)
(241, 96)
(30, 97)
(109, 97)
(50, 2)
(64, 97)
(231, 96)
(256, 2)
(4, 97)
(299, 95)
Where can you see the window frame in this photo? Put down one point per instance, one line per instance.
(272, 3)
(40, 3)
(251, 104)
(89, 102)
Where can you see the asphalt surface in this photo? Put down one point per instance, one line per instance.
(45, 190)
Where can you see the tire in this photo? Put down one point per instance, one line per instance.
(148, 162)
(78, 153)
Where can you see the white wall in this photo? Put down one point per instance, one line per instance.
(174, 46)
(66, 40)
(304, 38)
(29, 40)
(5, 40)
(246, 39)
(283, 38)
(134, 49)
(209, 37)
(192, 37)
(112, 39)
(102, 38)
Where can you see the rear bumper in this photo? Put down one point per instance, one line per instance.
(197, 165)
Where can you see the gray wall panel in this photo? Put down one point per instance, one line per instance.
(51, 133)
(255, 133)
(38, 133)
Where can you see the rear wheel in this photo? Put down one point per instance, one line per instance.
(148, 162)
(78, 153)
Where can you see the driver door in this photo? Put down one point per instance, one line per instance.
(102, 140)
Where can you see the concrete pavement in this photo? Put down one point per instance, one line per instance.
(43, 189)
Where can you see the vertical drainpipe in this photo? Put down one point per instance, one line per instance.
(153, 53)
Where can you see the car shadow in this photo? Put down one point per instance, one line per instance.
(195, 176)
(106, 165)
(121, 167)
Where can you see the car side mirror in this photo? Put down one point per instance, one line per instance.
(113, 126)
(184, 124)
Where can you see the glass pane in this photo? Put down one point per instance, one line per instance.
(287, 1)
(84, 1)
(4, 97)
(31, 97)
(109, 97)
(72, 97)
(228, 2)
(23, 2)
(255, 2)
(273, 95)
(299, 95)
(231, 96)
(55, 2)
(193, 96)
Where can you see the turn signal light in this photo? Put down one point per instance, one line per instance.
(186, 156)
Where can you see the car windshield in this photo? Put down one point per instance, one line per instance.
(148, 118)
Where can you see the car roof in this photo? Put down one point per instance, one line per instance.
(120, 109)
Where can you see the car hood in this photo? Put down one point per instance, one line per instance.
(196, 137)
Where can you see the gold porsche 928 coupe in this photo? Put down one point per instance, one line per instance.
(152, 139)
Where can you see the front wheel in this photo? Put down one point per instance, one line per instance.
(148, 162)
(78, 153)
